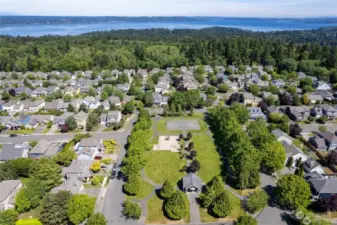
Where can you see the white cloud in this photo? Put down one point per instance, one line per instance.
(226, 8)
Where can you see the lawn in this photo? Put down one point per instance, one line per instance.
(146, 189)
(110, 146)
(46, 130)
(235, 212)
(161, 124)
(209, 158)
(89, 185)
(164, 165)
(21, 131)
(33, 213)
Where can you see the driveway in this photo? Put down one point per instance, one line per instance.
(194, 208)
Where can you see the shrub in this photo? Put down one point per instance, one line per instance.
(8, 217)
(176, 207)
(167, 190)
(131, 210)
(95, 181)
(133, 185)
(95, 167)
(246, 220)
(106, 161)
(256, 201)
(221, 206)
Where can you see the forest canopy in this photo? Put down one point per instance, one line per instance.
(312, 51)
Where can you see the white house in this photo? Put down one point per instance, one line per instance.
(324, 87)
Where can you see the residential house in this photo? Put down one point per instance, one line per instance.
(319, 96)
(281, 136)
(53, 105)
(38, 92)
(123, 87)
(142, 72)
(293, 152)
(60, 120)
(232, 85)
(298, 113)
(91, 102)
(301, 75)
(323, 86)
(162, 88)
(316, 111)
(9, 189)
(33, 106)
(192, 183)
(88, 149)
(74, 176)
(111, 117)
(278, 83)
(250, 99)
(115, 101)
(160, 99)
(13, 151)
(329, 111)
(323, 187)
(81, 119)
(23, 90)
(154, 71)
(330, 140)
(319, 143)
(45, 149)
(311, 166)
(256, 112)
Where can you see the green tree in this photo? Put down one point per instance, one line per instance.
(54, 208)
(223, 88)
(254, 89)
(131, 210)
(133, 185)
(128, 108)
(21, 165)
(8, 217)
(83, 107)
(273, 157)
(104, 95)
(29, 196)
(67, 98)
(97, 219)
(257, 201)
(221, 206)
(212, 190)
(167, 190)
(92, 92)
(80, 207)
(246, 220)
(176, 207)
(292, 192)
(70, 108)
(148, 99)
(71, 123)
(64, 158)
(47, 171)
(241, 112)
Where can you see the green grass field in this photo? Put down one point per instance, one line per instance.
(208, 157)
(164, 165)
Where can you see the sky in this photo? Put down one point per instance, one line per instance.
(224, 8)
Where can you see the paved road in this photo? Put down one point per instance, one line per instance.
(114, 196)
(307, 128)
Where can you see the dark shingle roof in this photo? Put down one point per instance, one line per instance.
(192, 180)
(324, 185)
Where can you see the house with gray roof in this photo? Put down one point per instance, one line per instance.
(13, 151)
(319, 143)
(323, 187)
(111, 117)
(160, 99)
(330, 139)
(123, 87)
(192, 183)
(9, 189)
(311, 166)
(45, 149)
(88, 149)
(256, 112)
(281, 136)
(81, 119)
(293, 152)
(298, 113)
(329, 111)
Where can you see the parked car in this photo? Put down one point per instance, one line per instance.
(114, 171)
(13, 135)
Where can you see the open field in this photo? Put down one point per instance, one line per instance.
(164, 165)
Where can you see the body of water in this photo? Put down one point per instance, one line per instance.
(71, 27)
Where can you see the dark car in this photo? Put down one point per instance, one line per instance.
(119, 175)
(13, 135)
(114, 171)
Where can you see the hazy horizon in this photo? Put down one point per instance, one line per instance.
(171, 8)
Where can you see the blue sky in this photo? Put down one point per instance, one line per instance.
(226, 8)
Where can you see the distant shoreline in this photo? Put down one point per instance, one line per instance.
(56, 25)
